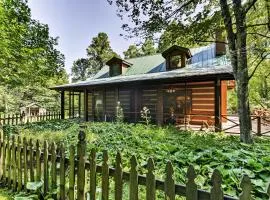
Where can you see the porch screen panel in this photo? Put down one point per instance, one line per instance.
(124, 98)
(110, 102)
(90, 107)
(150, 100)
(203, 102)
(67, 102)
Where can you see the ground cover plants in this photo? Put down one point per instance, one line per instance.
(206, 151)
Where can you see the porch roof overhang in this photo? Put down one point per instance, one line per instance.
(179, 75)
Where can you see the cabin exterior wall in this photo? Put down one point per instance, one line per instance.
(180, 103)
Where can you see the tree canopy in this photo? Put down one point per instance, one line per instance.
(28, 58)
(98, 53)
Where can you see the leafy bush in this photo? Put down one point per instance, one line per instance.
(206, 151)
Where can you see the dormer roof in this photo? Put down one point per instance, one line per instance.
(118, 60)
(177, 48)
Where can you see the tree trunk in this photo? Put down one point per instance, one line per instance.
(238, 53)
(244, 111)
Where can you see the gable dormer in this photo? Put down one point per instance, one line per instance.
(176, 57)
(117, 66)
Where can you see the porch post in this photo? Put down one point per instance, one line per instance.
(160, 106)
(62, 105)
(86, 105)
(217, 105)
(79, 102)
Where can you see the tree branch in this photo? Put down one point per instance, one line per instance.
(258, 64)
(212, 41)
(249, 5)
(179, 9)
(259, 35)
(262, 24)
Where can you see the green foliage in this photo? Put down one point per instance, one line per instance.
(145, 115)
(148, 47)
(100, 51)
(205, 151)
(80, 70)
(132, 52)
(29, 60)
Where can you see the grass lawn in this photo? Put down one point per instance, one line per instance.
(205, 151)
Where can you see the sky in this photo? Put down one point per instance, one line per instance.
(76, 22)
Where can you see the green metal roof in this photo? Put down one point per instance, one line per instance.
(202, 63)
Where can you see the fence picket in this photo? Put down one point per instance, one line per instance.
(31, 161)
(71, 172)
(45, 169)
(53, 170)
(19, 164)
(9, 163)
(14, 165)
(169, 182)
(133, 179)
(38, 163)
(216, 192)
(150, 181)
(105, 177)
(93, 174)
(25, 162)
(191, 186)
(81, 165)
(3, 157)
(246, 188)
(62, 173)
(118, 177)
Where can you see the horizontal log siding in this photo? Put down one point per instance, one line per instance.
(203, 102)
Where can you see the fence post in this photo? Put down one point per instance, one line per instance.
(150, 181)
(71, 172)
(246, 188)
(216, 192)
(93, 174)
(118, 177)
(169, 182)
(62, 173)
(81, 165)
(259, 125)
(105, 177)
(133, 179)
(191, 186)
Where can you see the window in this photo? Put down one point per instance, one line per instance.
(175, 62)
(115, 70)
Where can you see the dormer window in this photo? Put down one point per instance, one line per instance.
(117, 66)
(176, 57)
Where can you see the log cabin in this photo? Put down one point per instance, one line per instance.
(179, 85)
